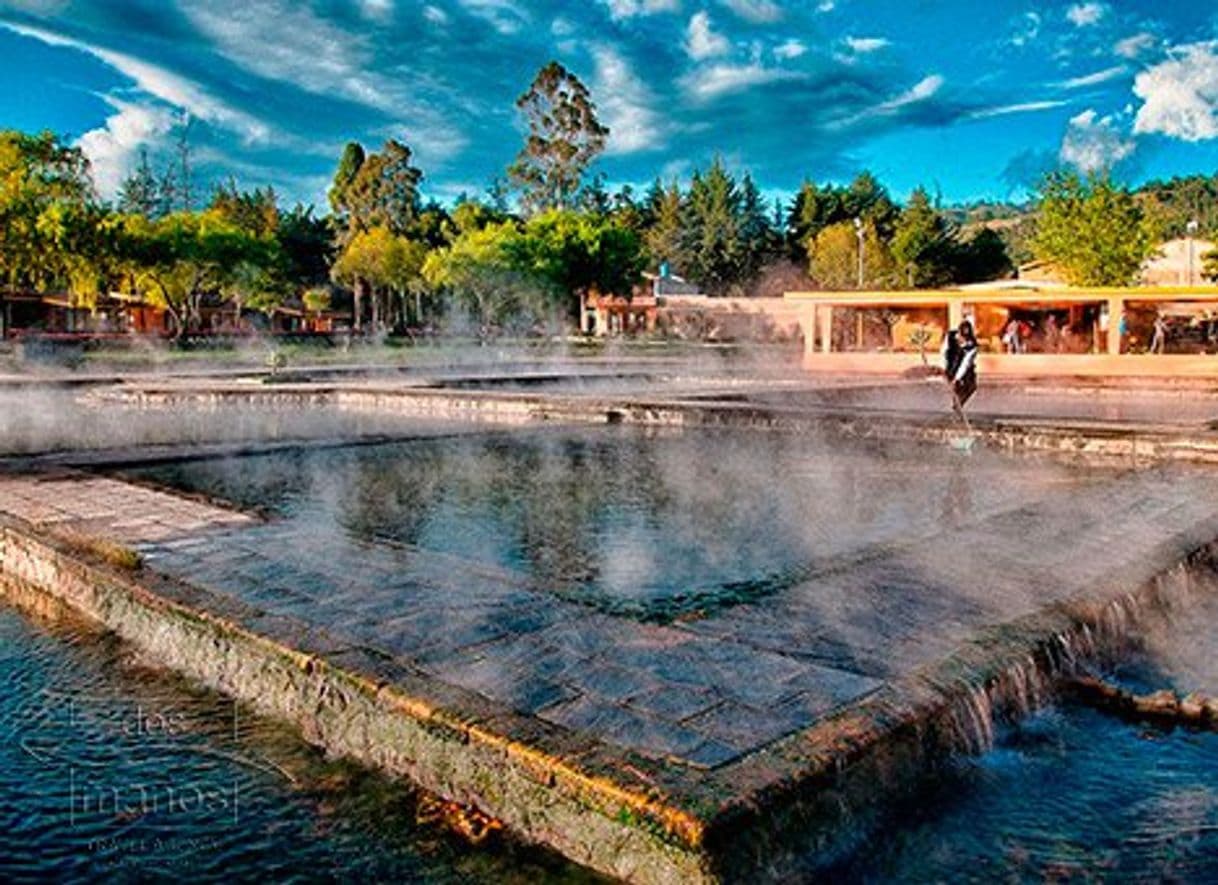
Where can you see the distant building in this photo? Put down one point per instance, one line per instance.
(1177, 263)
(1174, 263)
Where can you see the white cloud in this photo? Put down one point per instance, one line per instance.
(712, 82)
(112, 147)
(864, 45)
(377, 10)
(1093, 143)
(1095, 79)
(1180, 95)
(826, 6)
(160, 83)
(1027, 29)
(925, 88)
(435, 15)
(759, 12)
(626, 106)
(504, 16)
(789, 49)
(1132, 47)
(1083, 15)
(701, 41)
(620, 9)
(317, 56)
(1020, 108)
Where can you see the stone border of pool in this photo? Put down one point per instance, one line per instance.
(626, 815)
(1128, 442)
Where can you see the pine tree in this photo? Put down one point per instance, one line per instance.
(716, 253)
(923, 243)
(665, 234)
(140, 192)
(759, 238)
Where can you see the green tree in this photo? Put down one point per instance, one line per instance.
(140, 193)
(1209, 266)
(181, 259)
(981, 257)
(923, 244)
(715, 252)
(867, 199)
(388, 266)
(665, 237)
(761, 241)
(307, 247)
(255, 212)
(1092, 229)
(812, 210)
(579, 254)
(349, 164)
(52, 235)
(481, 276)
(385, 190)
(834, 258)
(565, 136)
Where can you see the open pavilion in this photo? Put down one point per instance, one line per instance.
(1069, 331)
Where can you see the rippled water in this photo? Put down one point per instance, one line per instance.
(109, 770)
(629, 520)
(1070, 795)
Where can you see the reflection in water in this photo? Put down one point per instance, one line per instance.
(109, 770)
(630, 520)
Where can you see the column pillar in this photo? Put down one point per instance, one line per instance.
(955, 313)
(1116, 307)
(824, 315)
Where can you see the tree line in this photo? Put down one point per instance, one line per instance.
(537, 244)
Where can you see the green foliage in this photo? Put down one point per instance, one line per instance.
(1173, 204)
(981, 257)
(565, 136)
(816, 208)
(923, 244)
(179, 260)
(665, 233)
(1209, 266)
(47, 212)
(141, 192)
(576, 253)
(255, 212)
(480, 272)
(715, 253)
(834, 258)
(1093, 230)
(348, 167)
(377, 189)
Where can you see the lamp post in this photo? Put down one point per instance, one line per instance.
(1191, 228)
(858, 230)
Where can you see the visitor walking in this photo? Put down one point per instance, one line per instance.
(1053, 340)
(1158, 341)
(960, 363)
(1010, 337)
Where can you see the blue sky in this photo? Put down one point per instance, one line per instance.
(971, 99)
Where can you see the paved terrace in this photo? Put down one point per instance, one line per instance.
(704, 706)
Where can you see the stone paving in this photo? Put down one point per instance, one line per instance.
(1043, 401)
(704, 689)
(108, 508)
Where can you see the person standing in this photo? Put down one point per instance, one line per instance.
(960, 363)
(1158, 341)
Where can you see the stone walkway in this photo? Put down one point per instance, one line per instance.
(111, 509)
(703, 690)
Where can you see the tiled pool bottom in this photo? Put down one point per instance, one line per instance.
(690, 597)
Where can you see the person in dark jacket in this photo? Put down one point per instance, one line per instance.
(960, 363)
